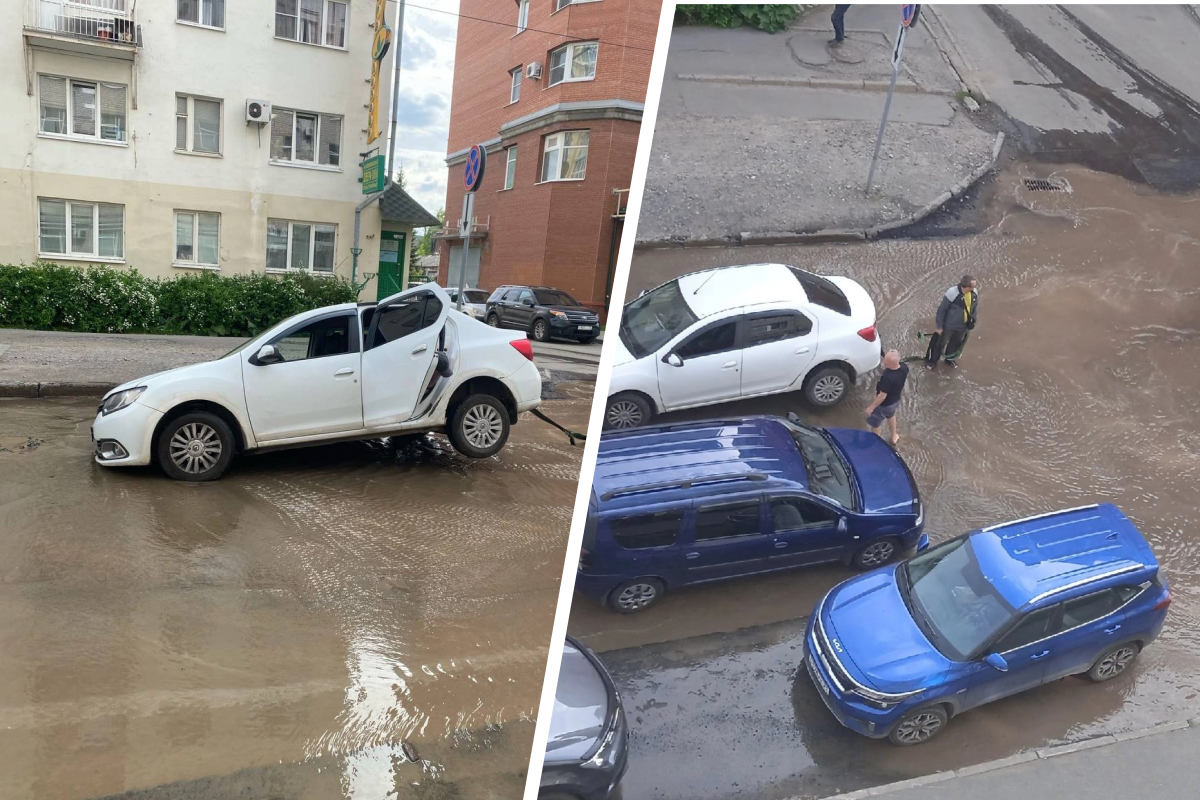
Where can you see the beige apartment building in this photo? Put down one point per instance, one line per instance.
(171, 136)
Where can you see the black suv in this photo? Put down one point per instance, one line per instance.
(543, 312)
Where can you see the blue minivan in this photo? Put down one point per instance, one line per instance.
(896, 652)
(692, 502)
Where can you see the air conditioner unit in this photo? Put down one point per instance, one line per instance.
(533, 71)
(258, 111)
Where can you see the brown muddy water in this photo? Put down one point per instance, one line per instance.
(280, 632)
(1079, 385)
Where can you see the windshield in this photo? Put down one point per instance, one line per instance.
(239, 348)
(654, 319)
(828, 474)
(553, 297)
(956, 607)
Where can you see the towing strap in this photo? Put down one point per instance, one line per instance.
(571, 435)
(929, 349)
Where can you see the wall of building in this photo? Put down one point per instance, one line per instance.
(152, 180)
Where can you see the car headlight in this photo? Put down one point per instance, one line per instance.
(118, 400)
(559, 314)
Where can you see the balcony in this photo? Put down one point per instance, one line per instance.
(105, 28)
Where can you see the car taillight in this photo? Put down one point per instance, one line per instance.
(1164, 603)
(523, 347)
(868, 333)
(585, 560)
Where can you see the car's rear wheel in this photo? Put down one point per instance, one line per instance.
(197, 446)
(636, 595)
(875, 554)
(626, 410)
(827, 386)
(1114, 661)
(918, 727)
(479, 426)
(493, 320)
(541, 330)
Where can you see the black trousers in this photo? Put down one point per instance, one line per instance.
(950, 342)
(839, 25)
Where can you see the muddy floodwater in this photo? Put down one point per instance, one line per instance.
(281, 632)
(1079, 385)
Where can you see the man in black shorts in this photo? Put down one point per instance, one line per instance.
(887, 395)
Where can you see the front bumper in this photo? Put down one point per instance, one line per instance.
(592, 781)
(132, 428)
(846, 707)
(574, 328)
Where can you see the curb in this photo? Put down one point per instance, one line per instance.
(1039, 754)
(966, 74)
(833, 234)
(902, 87)
(53, 389)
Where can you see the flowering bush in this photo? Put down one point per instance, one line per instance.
(771, 18)
(98, 299)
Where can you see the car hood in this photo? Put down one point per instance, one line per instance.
(580, 309)
(621, 354)
(580, 707)
(145, 379)
(881, 645)
(883, 482)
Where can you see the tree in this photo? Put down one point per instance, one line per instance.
(425, 241)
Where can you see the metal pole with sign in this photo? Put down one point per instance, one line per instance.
(472, 178)
(908, 18)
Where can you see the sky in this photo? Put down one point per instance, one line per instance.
(426, 78)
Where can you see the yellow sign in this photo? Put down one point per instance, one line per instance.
(379, 48)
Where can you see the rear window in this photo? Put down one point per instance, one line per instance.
(475, 296)
(496, 294)
(646, 530)
(822, 291)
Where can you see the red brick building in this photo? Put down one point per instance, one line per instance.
(555, 95)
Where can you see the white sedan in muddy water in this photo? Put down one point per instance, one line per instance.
(407, 364)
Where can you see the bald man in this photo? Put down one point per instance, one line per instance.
(887, 395)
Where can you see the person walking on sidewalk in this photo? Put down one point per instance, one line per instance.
(887, 395)
(839, 25)
(956, 318)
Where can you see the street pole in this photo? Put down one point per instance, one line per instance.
(468, 212)
(887, 105)
(399, 41)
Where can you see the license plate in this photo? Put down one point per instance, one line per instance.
(817, 678)
(585, 327)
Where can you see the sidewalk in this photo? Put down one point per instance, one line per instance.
(1157, 762)
(765, 134)
(55, 363)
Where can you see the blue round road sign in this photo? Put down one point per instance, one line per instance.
(908, 14)
(473, 174)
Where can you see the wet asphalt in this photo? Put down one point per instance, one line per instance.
(1078, 386)
(279, 633)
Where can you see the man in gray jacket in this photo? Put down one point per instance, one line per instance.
(956, 317)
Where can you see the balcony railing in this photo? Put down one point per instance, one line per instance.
(99, 21)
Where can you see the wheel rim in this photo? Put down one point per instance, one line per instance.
(539, 330)
(482, 426)
(919, 728)
(1115, 662)
(873, 555)
(637, 596)
(495, 323)
(196, 448)
(829, 389)
(624, 414)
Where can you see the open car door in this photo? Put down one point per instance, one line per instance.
(401, 349)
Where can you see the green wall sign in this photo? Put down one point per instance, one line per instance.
(373, 175)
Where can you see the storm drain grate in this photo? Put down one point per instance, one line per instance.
(1046, 185)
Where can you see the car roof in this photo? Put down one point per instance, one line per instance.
(1061, 554)
(685, 461)
(712, 291)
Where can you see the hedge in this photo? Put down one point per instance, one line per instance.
(100, 299)
(769, 18)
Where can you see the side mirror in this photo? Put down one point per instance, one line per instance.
(268, 354)
(841, 525)
(527, 302)
(996, 662)
(674, 360)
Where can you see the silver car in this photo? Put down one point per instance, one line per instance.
(474, 301)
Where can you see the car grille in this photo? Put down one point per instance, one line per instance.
(581, 316)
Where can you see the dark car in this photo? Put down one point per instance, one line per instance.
(586, 751)
(543, 312)
(694, 502)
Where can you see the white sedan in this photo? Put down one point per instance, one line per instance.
(743, 331)
(408, 364)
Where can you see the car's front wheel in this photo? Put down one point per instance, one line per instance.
(626, 410)
(1114, 661)
(636, 595)
(918, 727)
(875, 554)
(197, 446)
(827, 386)
(541, 330)
(479, 426)
(493, 320)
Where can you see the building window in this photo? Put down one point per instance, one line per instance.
(514, 91)
(300, 245)
(573, 62)
(197, 238)
(523, 15)
(510, 167)
(203, 135)
(306, 137)
(320, 22)
(81, 109)
(565, 156)
(209, 13)
(72, 228)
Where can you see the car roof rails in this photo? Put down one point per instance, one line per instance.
(686, 483)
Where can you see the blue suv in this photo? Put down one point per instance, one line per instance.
(693, 502)
(896, 652)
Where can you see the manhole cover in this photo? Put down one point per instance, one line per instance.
(1046, 185)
